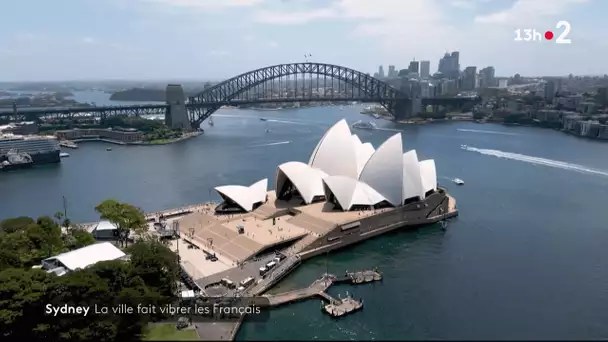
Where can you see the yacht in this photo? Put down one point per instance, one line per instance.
(364, 125)
(64, 154)
(210, 122)
(458, 181)
(263, 119)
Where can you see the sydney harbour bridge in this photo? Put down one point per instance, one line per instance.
(294, 82)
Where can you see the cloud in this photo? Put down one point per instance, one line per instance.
(528, 11)
(465, 4)
(29, 37)
(219, 53)
(208, 5)
(291, 18)
(88, 40)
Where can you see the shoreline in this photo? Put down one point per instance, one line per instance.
(140, 143)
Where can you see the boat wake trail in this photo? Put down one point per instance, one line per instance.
(291, 122)
(272, 144)
(233, 116)
(387, 129)
(538, 161)
(486, 132)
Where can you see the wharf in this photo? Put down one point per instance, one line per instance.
(319, 286)
(68, 144)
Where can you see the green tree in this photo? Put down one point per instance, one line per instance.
(156, 265)
(77, 238)
(12, 225)
(22, 303)
(124, 216)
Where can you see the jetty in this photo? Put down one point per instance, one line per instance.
(68, 144)
(336, 307)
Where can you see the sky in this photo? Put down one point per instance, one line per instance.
(43, 40)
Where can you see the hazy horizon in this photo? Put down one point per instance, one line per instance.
(67, 40)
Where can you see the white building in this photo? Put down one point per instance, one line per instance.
(81, 258)
(104, 230)
(349, 173)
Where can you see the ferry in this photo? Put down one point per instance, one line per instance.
(364, 125)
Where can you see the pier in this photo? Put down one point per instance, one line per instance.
(335, 307)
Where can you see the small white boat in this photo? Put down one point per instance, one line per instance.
(263, 119)
(64, 155)
(464, 147)
(376, 116)
(458, 181)
(109, 149)
(364, 125)
(210, 122)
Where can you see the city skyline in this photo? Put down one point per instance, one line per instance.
(205, 39)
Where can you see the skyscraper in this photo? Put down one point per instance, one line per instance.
(550, 90)
(425, 69)
(487, 78)
(414, 66)
(391, 71)
(381, 71)
(449, 64)
(469, 78)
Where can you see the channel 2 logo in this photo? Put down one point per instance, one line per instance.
(533, 35)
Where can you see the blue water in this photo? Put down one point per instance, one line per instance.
(526, 258)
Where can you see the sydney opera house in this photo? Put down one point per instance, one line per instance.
(347, 192)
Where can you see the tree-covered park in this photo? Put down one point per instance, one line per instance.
(149, 277)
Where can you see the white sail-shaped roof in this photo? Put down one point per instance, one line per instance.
(349, 192)
(384, 170)
(307, 180)
(364, 152)
(428, 175)
(245, 196)
(335, 153)
(412, 180)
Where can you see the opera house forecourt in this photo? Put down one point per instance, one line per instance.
(349, 191)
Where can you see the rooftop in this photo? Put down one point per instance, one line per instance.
(87, 256)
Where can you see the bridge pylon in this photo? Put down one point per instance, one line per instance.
(176, 116)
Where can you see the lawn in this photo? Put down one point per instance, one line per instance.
(168, 332)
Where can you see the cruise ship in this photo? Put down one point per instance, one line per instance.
(34, 149)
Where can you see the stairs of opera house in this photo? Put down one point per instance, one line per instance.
(302, 243)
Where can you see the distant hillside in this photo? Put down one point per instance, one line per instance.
(139, 94)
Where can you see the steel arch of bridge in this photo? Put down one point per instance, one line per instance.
(213, 98)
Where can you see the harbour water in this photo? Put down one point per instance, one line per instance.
(526, 258)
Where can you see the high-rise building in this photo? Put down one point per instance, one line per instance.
(391, 71)
(449, 65)
(414, 67)
(425, 69)
(602, 96)
(469, 78)
(487, 77)
(381, 71)
(550, 90)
